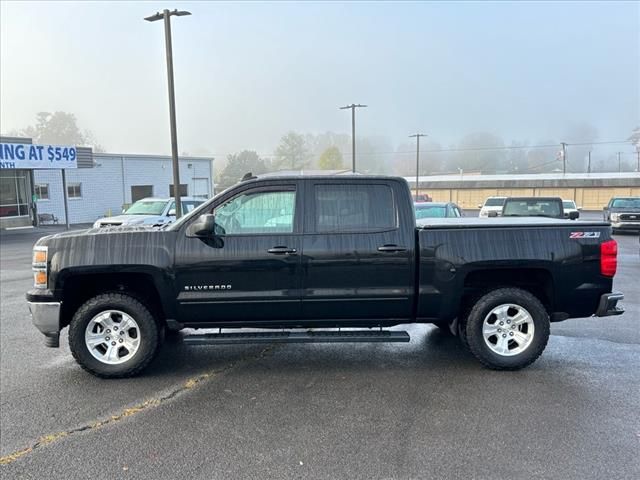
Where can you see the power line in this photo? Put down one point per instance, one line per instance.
(470, 149)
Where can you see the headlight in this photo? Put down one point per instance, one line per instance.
(39, 266)
(615, 217)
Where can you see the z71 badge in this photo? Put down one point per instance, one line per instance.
(584, 235)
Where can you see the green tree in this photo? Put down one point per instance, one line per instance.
(292, 153)
(331, 159)
(238, 165)
(59, 127)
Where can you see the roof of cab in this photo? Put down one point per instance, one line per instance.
(320, 175)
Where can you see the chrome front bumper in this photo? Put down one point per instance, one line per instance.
(609, 304)
(46, 318)
(625, 225)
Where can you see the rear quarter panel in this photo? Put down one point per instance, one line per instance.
(449, 255)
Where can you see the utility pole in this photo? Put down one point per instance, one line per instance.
(564, 157)
(589, 163)
(619, 162)
(166, 16)
(417, 137)
(353, 107)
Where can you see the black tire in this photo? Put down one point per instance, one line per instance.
(462, 332)
(481, 310)
(150, 335)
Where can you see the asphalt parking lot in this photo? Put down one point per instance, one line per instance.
(426, 409)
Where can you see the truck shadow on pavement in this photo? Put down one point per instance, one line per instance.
(429, 349)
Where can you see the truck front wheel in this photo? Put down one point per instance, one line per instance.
(113, 335)
(507, 329)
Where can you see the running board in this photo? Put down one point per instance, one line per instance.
(352, 336)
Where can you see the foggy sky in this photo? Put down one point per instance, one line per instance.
(246, 73)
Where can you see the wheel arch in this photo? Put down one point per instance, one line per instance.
(76, 286)
(536, 280)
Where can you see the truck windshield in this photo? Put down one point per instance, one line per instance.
(494, 202)
(147, 208)
(532, 208)
(626, 203)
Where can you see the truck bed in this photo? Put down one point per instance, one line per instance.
(559, 259)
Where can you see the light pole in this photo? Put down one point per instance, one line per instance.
(564, 157)
(166, 16)
(353, 107)
(417, 137)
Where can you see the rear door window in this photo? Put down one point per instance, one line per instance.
(353, 208)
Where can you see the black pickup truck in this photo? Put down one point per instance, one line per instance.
(299, 257)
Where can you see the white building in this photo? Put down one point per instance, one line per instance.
(102, 185)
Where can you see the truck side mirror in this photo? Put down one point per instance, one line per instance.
(172, 212)
(202, 227)
(493, 214)
(573, 215)
(479, 205)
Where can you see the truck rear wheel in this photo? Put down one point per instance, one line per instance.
(113, 335)
(507, 329)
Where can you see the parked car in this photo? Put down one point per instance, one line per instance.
(491, 204)
(623, 213)
(569, 206)
(437, 210)
(350, 255)
(149, 211)
(550, 207)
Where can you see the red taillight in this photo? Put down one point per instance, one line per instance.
(608, 258)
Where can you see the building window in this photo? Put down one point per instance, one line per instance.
(183, 190)
(138, 192)
(42, 191)
(74, 190)
(14, 193)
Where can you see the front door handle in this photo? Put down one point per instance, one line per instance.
(391, 248)
(282, 250)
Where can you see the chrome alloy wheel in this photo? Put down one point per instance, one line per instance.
(508, 329)
(112, 337)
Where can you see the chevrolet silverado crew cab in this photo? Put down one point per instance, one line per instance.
(318, 259)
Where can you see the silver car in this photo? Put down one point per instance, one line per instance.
(149, 211)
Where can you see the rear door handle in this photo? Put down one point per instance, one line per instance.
(282, 250)
(391, 248)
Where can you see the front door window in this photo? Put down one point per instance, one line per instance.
(257, 213)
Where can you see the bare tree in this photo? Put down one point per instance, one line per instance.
(59, 127)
